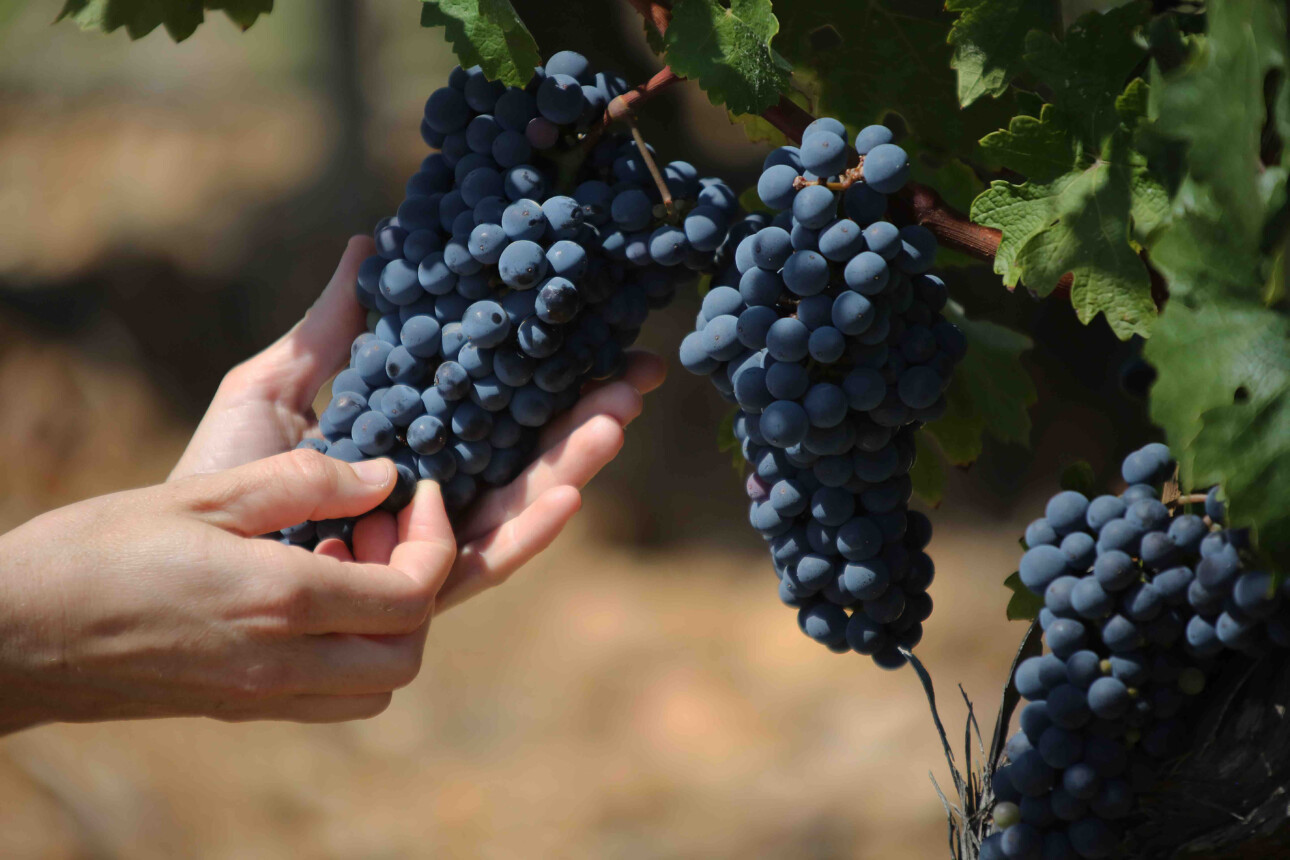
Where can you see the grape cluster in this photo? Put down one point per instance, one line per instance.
(493, 296)
(824, 328)
(1141, 605)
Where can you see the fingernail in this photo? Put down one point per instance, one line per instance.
(374, 472)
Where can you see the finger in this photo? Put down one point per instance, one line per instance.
(343, 664)
(280, 491)
(291, 593)
(573, 462)
(375, 536)
(644, 371)
(618, 401)
(390, 590)
(489, 561)
(312, 709)
(319, 344)
(620, 398)
(426, 546)
(334, 548)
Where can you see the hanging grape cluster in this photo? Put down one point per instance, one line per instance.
(825, 330)
(1142, 604)
(522, 263)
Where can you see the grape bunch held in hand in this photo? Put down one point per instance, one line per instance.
(495, 293)
(1142, 604)
(824, 329)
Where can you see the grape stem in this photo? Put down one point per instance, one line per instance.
(850, 177)
(663, 190)
(624, 106)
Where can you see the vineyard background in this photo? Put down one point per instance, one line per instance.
(639, 691)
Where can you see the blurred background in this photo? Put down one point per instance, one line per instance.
(639, 691)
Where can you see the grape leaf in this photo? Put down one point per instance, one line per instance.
(1221, 247)
(1095, 57)
(726, 48)
(803, 91)
(759, 130)
(1040, 148)
(140, 17)
(1202, 250)
(988, 39)
(1228, 416)
(1214, 105)
(488, 34)
(243, 13)
(927, 475)
(1091, 199)
(1078, 223)
(1149, 201)
(991, 391)
(1024, 605)
(874, 57)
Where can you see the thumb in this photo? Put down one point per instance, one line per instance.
(296, 365)
(280, 491)
(319, 344)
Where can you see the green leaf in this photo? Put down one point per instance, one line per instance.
(876, 57)
(1024, 605)
(140, 17)
(1132, 104)
(1213, 105)
(1148, 203)
(1148, 199)
(988, 40)
(1079, 476)
(1078, 223)
(1093, 60)
(804, 93)
(927, 475)
(759, 130)
(1205, 252)
(991, 392)
(1041, 149)
(243, 13)
(488, 34)
(726, 48)
(1223, 398)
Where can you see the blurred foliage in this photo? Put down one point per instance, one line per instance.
(140, 17)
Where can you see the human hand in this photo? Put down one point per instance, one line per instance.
(157, 602)
(508, 526)
(264, 407)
